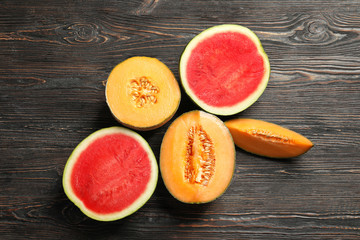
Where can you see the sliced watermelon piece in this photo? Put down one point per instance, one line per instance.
(111, 174)
(224, 69)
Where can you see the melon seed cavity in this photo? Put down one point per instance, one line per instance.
(199, 157)
(143, 92)
(269, 136)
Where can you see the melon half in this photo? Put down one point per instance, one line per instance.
(224, 69)
(110, 174)
(197, 157)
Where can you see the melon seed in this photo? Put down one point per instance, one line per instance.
(199, 157)
(143, 92)
(269, 136)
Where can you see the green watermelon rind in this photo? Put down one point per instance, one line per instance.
(145, 196)
(241, 106)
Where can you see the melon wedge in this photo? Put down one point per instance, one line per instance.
(224, 69)
(267, 139)
(110, 174)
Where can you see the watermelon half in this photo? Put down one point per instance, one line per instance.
(111, 174)
(224, 69)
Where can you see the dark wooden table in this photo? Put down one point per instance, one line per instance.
(55, 57)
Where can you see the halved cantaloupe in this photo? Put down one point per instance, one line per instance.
(267, 139)
(197, 157)
(142, 93)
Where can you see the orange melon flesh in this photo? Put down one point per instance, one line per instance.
(160, 93)
(267, 139)
(175, 160)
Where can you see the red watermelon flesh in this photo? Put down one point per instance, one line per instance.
(111, 173)
(225, 69)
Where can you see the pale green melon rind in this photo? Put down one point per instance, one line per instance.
(225, 111)
(134, 206)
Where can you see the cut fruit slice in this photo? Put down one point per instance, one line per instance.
(224, 69)
(267, 139)
(197, 157)
(110, 174)
(142, 93)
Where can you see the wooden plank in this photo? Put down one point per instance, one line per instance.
(55, 59)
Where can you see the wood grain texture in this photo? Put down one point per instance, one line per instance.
(55, 58)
